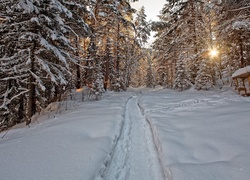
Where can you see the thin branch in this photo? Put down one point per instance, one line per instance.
(239, 9)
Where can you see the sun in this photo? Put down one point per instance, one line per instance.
(213, 52)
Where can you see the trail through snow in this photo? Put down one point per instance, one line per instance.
(154, 135)
(135, 155)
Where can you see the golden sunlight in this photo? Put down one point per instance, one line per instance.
(79, 90)
(213, 52)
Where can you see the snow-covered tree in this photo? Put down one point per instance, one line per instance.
(97, 74)
(46, 48)
(35, 54)
(181, 81)
(196, 27)
(79, 31)
(107, 60)
(142, 65)
(142, 27)
(204, 80)
(111, 20)
(234, 32)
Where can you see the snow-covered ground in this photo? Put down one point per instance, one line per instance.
(202, 135)
(139, 134)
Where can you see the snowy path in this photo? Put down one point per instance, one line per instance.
(198, 135)
(135, 156)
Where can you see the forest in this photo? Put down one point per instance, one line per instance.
(49, 47)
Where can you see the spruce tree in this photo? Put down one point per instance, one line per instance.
(36, 53)
(204, 79)
(142, 27)
(181, 82)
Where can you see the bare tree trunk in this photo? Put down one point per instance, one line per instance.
(241, 51)
(21, 109)
(78, 72)
(31, 105)
(117, 51)
(106, 78)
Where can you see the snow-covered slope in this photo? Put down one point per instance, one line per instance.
(197, 135)
(69, 147)
(203, 135)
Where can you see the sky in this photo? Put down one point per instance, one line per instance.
(152, 10)
(152, 7)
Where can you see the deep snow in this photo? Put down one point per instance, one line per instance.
(188, 135)
(242, 71)
(135, 155)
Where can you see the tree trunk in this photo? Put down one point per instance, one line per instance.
(117, 51)
(241, 51)
(106, 78)
(31, 104)
(31, 107)
(21, 109)
(78, 72)
(78, 76)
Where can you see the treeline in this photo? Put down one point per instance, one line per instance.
(201, 43)
(50, 47)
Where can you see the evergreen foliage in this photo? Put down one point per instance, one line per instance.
(204, 80)
(181, 81)
(49, 47)
(36, 42)
(194, 28)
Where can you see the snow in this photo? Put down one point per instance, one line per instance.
(69, 146)
(201, 134)
(103, 14)
(28, 6)
(62, 8)
(52, 48)
(243, 24)
(241, 71)
(139, 134)
(135, 155)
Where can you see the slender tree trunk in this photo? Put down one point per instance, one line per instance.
(21, 109)
(78, 76)
(31, 106)
(106, 78)
(193, 26)
(241, 51)
(107, 65)
(78, 70)
(117, 50)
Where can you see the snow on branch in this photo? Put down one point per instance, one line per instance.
(62, 8)
(239, 9)
(7, 101)
(243, 24)
(46, 68)
(52, 48)
(27, 6)
(38, 80)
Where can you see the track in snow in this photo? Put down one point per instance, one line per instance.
(135, 155)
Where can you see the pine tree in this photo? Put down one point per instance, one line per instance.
(193, 28)
(79, 31)
(97, 74)
(181, 82)
(35, 40)
(234, 25)
(108, 58)
(139, 54)
(110, 19)
(142, 27)
(204, 80)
